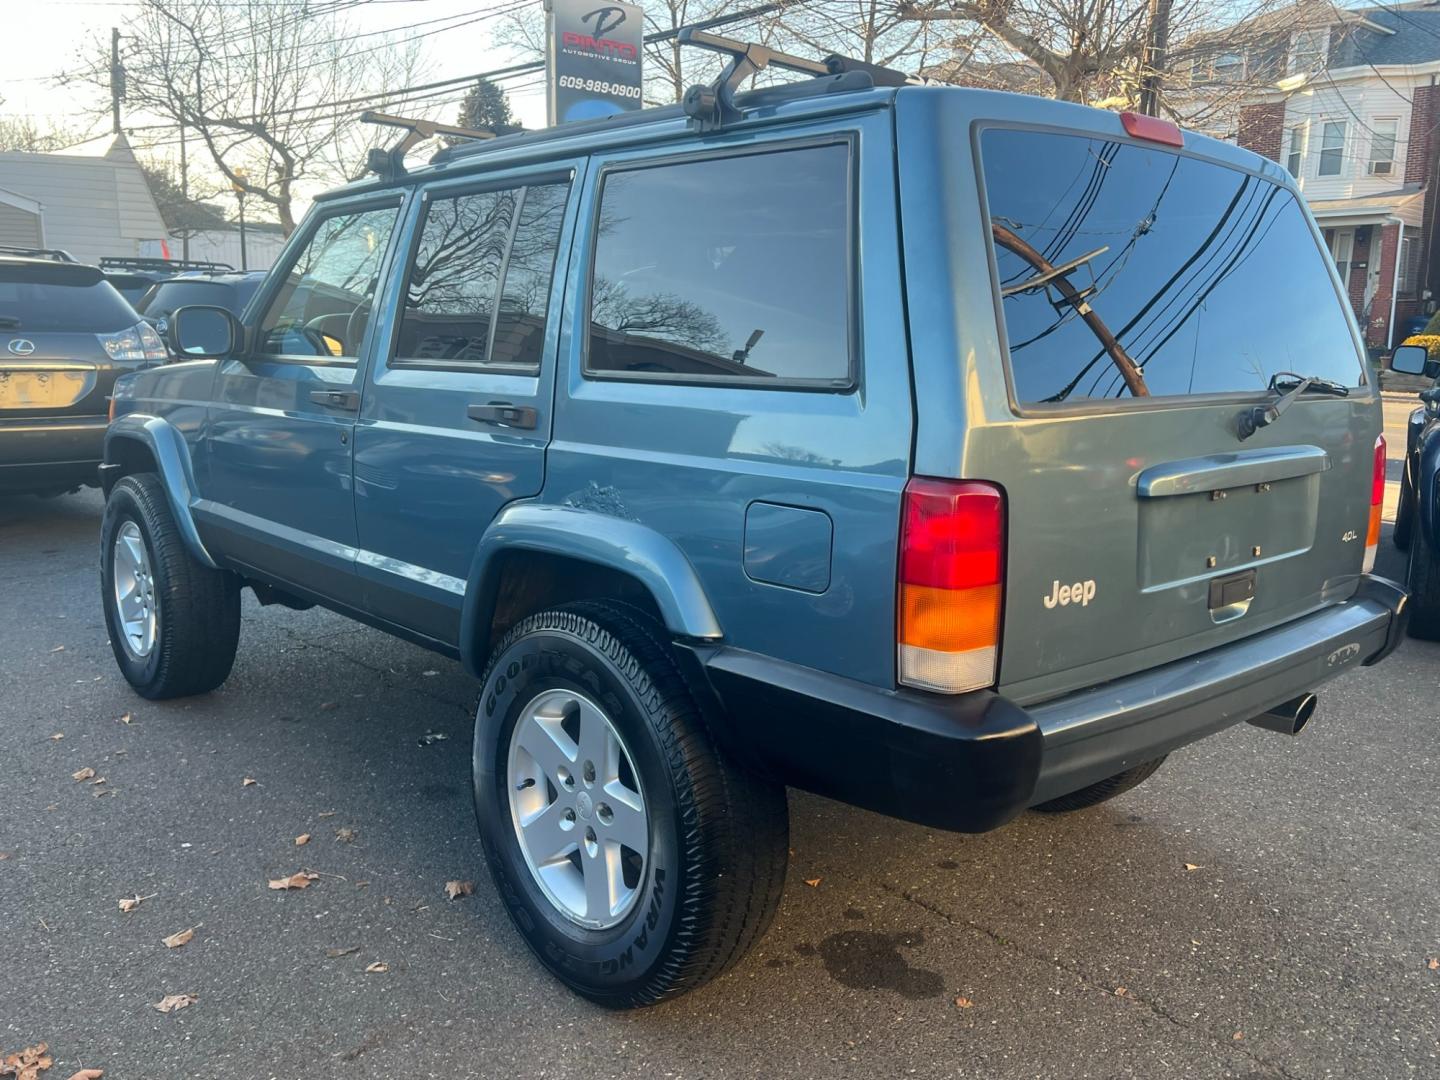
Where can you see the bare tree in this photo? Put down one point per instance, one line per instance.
(26, 134)
(268, 88)
(1100, 51)
(876, 31)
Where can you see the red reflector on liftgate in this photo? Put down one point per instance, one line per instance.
(1152, 128)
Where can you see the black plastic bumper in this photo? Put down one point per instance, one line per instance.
(973, 761)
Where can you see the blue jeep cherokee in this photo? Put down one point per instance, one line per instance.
(944, 452)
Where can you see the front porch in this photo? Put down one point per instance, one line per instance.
(1375, 241)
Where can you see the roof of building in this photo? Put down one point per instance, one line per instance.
(1413, 37)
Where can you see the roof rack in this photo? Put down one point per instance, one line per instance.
(53, 254)
(125, 262)
(713, 106)
(389, 163)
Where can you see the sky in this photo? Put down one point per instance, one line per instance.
(46, 38)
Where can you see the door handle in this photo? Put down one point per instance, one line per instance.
(502, 414)
(349, 400)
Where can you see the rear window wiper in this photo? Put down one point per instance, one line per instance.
(1288, 386)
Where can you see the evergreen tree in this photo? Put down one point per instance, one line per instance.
(485, 106)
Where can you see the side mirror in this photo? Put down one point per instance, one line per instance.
(201, 332)
(1410, 359)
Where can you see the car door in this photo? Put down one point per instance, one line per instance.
(456, 415)
(277, 495)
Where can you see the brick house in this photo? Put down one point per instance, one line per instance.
(1353, 117)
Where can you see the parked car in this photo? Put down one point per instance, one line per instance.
(1417, 517)
(231, 291)
(65, 334)
(134, 276)
(48, 254)
(778, 438)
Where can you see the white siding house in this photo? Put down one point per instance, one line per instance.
(91, 201)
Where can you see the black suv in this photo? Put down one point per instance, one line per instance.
(65, 334)
(231, 291)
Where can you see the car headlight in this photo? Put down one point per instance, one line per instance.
(139, 342)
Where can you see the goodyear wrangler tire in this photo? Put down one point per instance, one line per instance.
(1423, 580)
(173, 623)
(633, 857)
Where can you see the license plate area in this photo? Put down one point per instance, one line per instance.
(1209, 534)
(31, 390)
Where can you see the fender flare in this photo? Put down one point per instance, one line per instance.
(585, 535)
(172, 458)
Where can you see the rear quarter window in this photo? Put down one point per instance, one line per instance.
(1127, 271)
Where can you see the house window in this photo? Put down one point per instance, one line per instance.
(1229, 67)
(1382, 146)
(1409, 266)
(1308, 51)
(1332, 147)
(1295, 149)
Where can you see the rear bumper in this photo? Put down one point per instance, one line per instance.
(45, 451)
(972, 762)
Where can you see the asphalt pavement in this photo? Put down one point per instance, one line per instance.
(1262, 907)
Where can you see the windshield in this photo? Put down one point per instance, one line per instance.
(75, 303)
(1127, 271)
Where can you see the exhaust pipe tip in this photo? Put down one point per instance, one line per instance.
(1288, 718)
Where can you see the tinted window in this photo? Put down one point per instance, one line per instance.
(726, 268)
(1205, 279)
(169, 296)
(32, 299)
(327, 299)
(474, 297)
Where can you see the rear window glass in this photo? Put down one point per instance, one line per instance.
(87, 306)
(169, 296)
(1129, 272)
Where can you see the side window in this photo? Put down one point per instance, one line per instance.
(326, 301)
(728, 269)
(480, 283)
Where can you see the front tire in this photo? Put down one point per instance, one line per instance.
(1424, 585)
(1101, 790)
(588, 747)
(174, 623)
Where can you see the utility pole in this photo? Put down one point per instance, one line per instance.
(1157, 43)
(117, 80)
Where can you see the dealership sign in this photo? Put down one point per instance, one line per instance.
(594, 59)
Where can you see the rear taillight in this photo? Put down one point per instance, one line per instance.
(139, 342)
(952, 572)
(1377, 499)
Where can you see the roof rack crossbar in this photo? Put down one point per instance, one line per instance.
(389, 163)
(127, 262)
(713, 106)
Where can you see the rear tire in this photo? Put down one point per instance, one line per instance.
(188, 644)
(1101, 790)
(717, 837)
(1424, 585)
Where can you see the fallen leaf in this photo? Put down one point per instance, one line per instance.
(345, 835)
(174, 941)
(963, 1003)
(57, 736)
(27, 1063)
(431, 738)
(814, 883)
(128, 718)
(456, 889)
(247, 782)
(82, 774)
(98, 780)
(1433, 965)
(328, 813)
(58, 648)
(172, 1002)
(1238, 1036)
(335, 954)
(377, 968)
(4, 855)
(1121, 991)
(298, 880)
(130, 903)
(102, 794)
(427, 674)
(1191, 866)
(88, 1074)
(302, 839)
